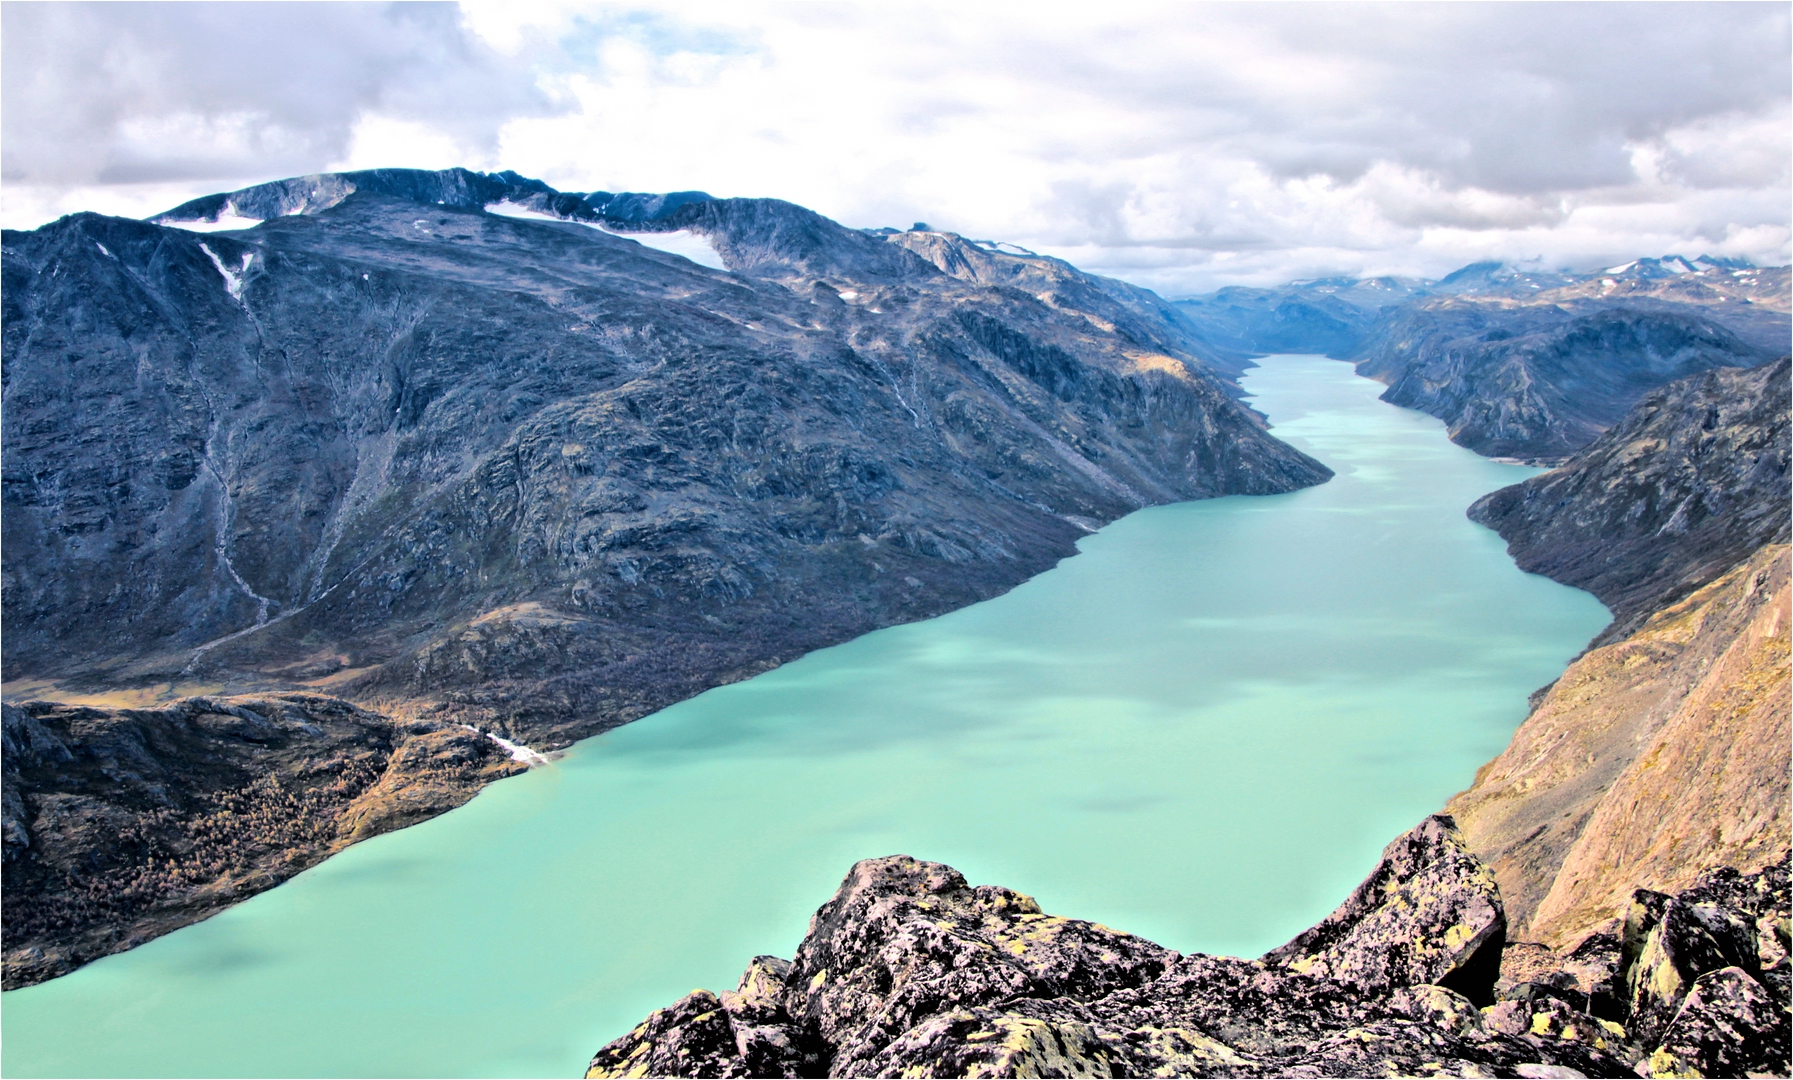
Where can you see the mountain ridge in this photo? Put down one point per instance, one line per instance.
(1520, 363)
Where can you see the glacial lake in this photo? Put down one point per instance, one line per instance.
(1202, 729)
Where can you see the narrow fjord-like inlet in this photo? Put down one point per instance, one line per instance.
(1201, 730)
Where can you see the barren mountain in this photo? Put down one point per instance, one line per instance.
(392, 445)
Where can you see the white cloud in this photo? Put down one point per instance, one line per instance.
(1180, 145)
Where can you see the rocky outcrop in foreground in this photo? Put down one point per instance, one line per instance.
(124, 824)
(910, 971)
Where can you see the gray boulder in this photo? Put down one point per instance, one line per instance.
(1429, 913)
(911, 971)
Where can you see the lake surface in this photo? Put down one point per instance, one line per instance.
(1202, 729)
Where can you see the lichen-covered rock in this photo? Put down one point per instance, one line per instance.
(692, 1037)
(1729, 1025)
(910, 971)
(1429, 913)
(1695, 986)
(903, 937)
(1669, 943)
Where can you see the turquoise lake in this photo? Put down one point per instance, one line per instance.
(1202, 729)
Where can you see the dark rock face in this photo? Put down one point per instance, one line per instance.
(534, 475)
(909, 971)
(123, 824)
(1692, 481)
(1538, 381)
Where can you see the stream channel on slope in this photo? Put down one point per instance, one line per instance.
(1202, 729)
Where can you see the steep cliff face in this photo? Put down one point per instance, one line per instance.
(1652, 759)
(123, 824)
(1663, 751)
(909, 971)
(536, 475)
(1694, 479)
(1538, 381)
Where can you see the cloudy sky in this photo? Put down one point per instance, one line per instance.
(1182, 146)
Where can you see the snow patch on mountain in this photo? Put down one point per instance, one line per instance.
(684, 243)
(233, 279)
(226, 222)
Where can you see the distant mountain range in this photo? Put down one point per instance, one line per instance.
(1519, 363)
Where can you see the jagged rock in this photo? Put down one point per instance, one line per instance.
(1696, 985)
(1597, 966)
(1729, 1025)
(1429, 913)
(910, 971)
(1672, 941)
(692, 1037)
(901, 937)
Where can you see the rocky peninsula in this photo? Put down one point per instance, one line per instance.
(124, 824)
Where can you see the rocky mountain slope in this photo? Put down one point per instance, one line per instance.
(1663, 751)
(1520, 363)
(909, 971)
(1691, 482)
(1535, 380)
(536, 475)
(1651, 760)
(123, 824)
